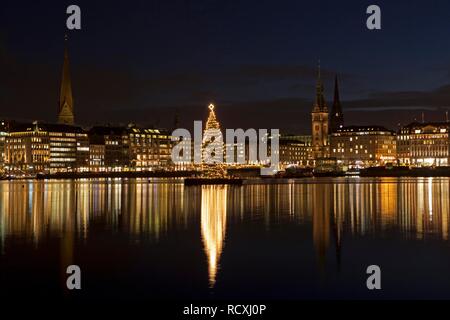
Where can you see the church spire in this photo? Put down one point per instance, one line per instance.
(320, 104)
(336, 92)
(320, 123)
(337, 117)
(65, 110)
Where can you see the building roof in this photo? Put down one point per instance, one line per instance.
(426, 124)
(427, 127)
(108, 130)
(297, 139)
(121, 130)
(374, 128)
(50, 127)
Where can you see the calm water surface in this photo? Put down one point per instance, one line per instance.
(156, 239)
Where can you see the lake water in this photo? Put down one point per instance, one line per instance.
(267, 239)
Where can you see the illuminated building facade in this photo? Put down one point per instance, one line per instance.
(295, 150)
(424, 144)
(44, 148)
(3, 135)
(129, 148)
(65, 147)
(363, 146)
(149, 148)
(50, 148)
(97, 158)
(109, 149)
(320, 124)
(27, 150)
(182, 162)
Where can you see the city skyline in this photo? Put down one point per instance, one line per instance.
(150, 79)
(223, 158)
(66, 111)
(333, 147)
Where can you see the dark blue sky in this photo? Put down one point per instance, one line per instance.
(143, 60)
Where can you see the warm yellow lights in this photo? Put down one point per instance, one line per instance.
(213, 225)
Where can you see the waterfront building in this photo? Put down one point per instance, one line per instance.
(129, 148)
(83, 151)
(181, 162)
(3, 135)
(320, 125)
(51, 148)
(65, 108)
(150, 149)
(97, 158)
(44, 148)
(295, 150)
(109, 149)
(363, 146)
(424, 144)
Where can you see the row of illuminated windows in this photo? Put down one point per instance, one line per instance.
(146, 157)
(376, 141)
(63, 154)
(372, 133)
(360, 146)
(40, 158)
(433, 151)
(429, 142)
(73, 140)
(62, 159)
(429, 147)
(57, 134)
(45, 152)
(423, 136)
(358, 151)
(147, 163)
(63, 149)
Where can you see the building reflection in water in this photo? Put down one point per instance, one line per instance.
(413, 208)
(35, 209)
(213, 226)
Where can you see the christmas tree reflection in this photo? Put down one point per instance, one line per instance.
(213, 225)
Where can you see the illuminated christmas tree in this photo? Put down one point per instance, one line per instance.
(212, 148)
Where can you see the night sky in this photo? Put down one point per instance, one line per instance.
(144, 61)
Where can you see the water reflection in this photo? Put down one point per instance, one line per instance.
(213, 225)
(148, 210)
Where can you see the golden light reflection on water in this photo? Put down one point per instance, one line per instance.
(213, 226)
(151, 209)
(33, 209)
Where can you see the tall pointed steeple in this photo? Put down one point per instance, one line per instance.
(65, 109)
(320, 105)
(320, 123)
(337, 117)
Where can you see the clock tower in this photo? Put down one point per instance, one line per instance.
(320, 124)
